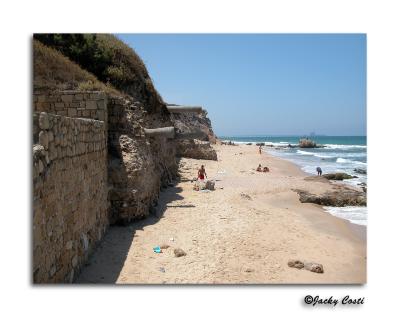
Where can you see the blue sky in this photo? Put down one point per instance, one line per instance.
(262, 84)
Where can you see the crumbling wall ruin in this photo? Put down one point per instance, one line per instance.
(70, 209)
(92, 166)
(138, 167)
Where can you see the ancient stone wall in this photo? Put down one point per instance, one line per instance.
(90, 173)
(70, 208)
(74, 104)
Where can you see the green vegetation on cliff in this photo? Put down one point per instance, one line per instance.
(54, 71)
(110, 60)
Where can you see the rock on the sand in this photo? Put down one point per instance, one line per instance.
(310, 266)
(245, 196)
(338, 198)
(338, 176)
(314, 267)
(179, 252)
(296, 264)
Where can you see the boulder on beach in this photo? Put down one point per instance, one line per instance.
(296, 264)
(260, 144)
(310, 266)
(314, 267)
(338, 176)
(338, 198)
(179, 252)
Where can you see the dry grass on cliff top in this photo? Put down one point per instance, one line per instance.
(54, 71)
(104, 57)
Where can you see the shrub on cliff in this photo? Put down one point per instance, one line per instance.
(110, 60)
(52, 70)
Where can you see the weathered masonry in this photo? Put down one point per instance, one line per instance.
(69, 183)
(97, 160)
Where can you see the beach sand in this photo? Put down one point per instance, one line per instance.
(244, 231)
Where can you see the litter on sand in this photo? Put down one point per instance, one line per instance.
(171, 239)
(221, 172)
(157, 249)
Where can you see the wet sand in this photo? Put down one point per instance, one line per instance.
(244, 231)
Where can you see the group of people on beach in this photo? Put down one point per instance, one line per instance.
(261, 169)
(201, 173)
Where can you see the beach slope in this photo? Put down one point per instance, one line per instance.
(245, 231)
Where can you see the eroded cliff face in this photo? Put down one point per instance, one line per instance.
(192, 122)
(138, 166)
(198, 148)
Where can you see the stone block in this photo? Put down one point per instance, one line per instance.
(50, 136)
(67, 98)
(78, 97)
(91, 105)
(43, 139)
(72, 112)
(44, 121)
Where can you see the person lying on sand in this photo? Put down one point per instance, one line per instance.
(266, 169)
(319, 171)
(259, 168)
(201, 173)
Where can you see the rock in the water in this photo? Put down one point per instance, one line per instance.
(179, 252)
(296, 264)
(260, 144)
(314, 267)
(339, 198)
(338, 176)
(307, 143)
(360, 171)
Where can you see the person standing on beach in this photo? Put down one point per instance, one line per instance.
(201, 173)
(319, 171)
(259, 149)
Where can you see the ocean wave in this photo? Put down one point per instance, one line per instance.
(354, 214)
(304, 152)
(324, 156)
(345, 146)
(343, 160)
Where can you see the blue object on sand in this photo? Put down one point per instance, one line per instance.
(157, 249)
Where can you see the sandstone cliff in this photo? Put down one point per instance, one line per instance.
(191, 123)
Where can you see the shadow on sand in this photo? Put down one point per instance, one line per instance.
(105, 264)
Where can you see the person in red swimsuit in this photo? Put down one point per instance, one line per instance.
(201, 173)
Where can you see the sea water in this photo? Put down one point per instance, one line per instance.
(346, 154)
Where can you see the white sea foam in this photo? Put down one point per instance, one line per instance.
(324, 155)
(304, 152)
(346, 161)
(354, 214)
(343, 146)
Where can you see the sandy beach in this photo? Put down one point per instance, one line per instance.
(244, 231)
